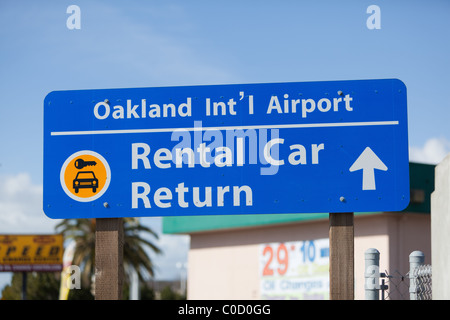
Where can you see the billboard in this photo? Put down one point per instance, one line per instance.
(31, 253)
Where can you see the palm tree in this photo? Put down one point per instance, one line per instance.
(134, 254)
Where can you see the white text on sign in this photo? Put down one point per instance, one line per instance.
(145, 109)
(237, 151)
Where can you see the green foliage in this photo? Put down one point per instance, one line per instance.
(46, 285)
(167, 293)
(80, 294)
(134, 254)
(39, 286)
(13, 291)
(147, 293)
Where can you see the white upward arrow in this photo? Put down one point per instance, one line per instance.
(368, 161)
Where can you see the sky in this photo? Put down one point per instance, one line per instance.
(127, 44)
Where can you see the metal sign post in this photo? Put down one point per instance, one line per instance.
(109, 259)
(342, 259)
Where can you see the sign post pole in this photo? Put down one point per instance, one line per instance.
(108, 259)
(341, 233)
(24, 285)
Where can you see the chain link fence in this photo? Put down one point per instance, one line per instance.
(421, 276)
(396, 286)
(416, 284)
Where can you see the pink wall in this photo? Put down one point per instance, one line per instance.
(224, 264)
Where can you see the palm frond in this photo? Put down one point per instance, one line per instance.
(135, 254)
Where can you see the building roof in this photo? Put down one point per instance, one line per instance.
(421, 186)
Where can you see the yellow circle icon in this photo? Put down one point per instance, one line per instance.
(85, 176)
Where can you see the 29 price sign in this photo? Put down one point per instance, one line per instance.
(295, 270)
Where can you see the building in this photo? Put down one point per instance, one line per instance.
(285, 256)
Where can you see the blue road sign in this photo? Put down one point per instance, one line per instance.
(337, 146)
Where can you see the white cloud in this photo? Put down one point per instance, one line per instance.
(433, 151)
(21, 206)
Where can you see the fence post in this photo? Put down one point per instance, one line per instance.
(416, 259)
(372, 274)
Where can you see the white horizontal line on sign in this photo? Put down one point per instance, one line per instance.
(277, 126)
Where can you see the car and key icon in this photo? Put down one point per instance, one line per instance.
(85, 179)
